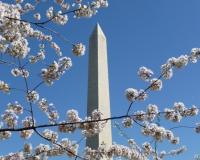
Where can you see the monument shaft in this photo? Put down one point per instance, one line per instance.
(98, 86)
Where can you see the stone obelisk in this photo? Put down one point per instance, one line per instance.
(98, 86)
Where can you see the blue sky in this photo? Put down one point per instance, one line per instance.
(139, 33)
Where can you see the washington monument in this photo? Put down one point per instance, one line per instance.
(98, 86)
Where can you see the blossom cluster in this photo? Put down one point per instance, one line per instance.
(150, 114)
(64, 5)
(78, 49)
(80, 9)
(127, 122)
(144, 73)
(19, 72)
(43, 151)
(55, 70)
(159, 133)
(27, 7)
(57, 17)
(10, 116)
(15, 31)
(37, 16)
(122, 151)
(147, 149)
(179, 62)
(179, 111)
(166, 72)
(114, 151)
(27, 148)
(90, 125)
(13, 37)
(88, 10)
(49, 110)
(15, 107)
(56, 48)
(27, 122)
(5, 134)
(175, 114)
(51, 135)
(61, 148)
(32, 96)
(40, 56)
(134, 94)
(4, 87)
(10, 156)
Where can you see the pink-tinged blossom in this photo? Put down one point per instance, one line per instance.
(4, 87)
(10, 118)
(19, 48)
(166, 70)
(32, 96)
(17, 72)
(140, 115)
(145, 73)
(56, 48)
(195, 55)
(28, 7)
(50, 135)
(56, 70)
(131, 94)
(84, 11)
(37, 16)
(15, 107)
(26, 134)
(41, 148)
(175, 140)
(27, 148)
(115, 150)
(147, 149)
(72, 116)
(91, 128)
(58, 17)
(27, 122)
(172, 115)
(158, 133)
(49, 110)
(78, 49)
(156, 84)
(152, 111)
(142, 95)
(34, 59)
(179, 62)
(5, 135)
(127, 122)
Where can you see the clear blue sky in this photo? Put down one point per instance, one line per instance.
(139, 32)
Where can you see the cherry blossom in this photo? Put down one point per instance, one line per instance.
(131, 94)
